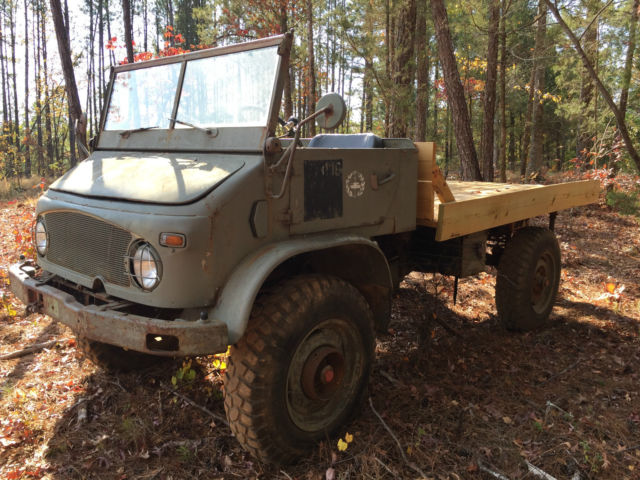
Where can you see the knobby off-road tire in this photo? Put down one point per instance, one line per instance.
(116, 359)
(528, 279)
(301, 368)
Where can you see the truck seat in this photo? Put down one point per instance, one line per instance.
(357, 140)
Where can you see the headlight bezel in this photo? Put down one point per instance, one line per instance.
(37, 243)
(140, 253)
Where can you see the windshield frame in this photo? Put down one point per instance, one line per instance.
(224, 138)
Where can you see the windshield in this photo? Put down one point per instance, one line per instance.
(229, 90)
(233, 89)
(143, 98)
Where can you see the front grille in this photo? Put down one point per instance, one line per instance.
(88, 245)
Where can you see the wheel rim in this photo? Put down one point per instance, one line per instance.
(324, 375)
(543, 280)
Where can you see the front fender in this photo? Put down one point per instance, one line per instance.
(239, 293)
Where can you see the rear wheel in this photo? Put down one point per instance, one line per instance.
(301, 367)
(528, 279)
(116, 359)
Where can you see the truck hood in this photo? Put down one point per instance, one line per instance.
(167, 178)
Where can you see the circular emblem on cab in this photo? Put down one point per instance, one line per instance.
(354, 184)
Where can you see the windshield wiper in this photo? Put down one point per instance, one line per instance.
(208, 131)
(126, 133)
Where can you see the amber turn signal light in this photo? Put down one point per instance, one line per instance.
(173, 240)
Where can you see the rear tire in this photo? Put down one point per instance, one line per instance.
(301, 368)
(116, 359)
(528, 279)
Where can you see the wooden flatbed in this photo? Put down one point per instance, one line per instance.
(460, 208)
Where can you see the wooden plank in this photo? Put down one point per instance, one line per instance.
(511, 205)
(470, 190)
(424, 210)
(440, 186)
(426, 159)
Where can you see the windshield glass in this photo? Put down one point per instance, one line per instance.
(233, 89)
(143, 98)
(229, 90)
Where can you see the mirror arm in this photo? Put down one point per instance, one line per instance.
(291, 150)
(328, 109)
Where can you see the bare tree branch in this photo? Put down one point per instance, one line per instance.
(622, 126)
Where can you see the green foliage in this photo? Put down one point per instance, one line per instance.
(623, 202)
(185, 374)
(185, 454)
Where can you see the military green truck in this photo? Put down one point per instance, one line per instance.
(198, 223)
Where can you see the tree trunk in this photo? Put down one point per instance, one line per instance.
(73, 159)
(112, 55)
(422, 59)
(587, 85)
(455, 94)
(5, 79)
(311, 74)
(16, 126)
(490, 92)
(403, 69)
(387, 62)
(128, 30)
(512, 141)
(288, 102)
(620, 121)
(502, 157)
(27, 132)
(48, 127)
(628, 64)
(145, 20)
(526, 133)
(434, 122)
(62, 35)
(535, 155)
(38, 78)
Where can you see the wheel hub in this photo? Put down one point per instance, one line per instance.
(322, 373)
(541, 292)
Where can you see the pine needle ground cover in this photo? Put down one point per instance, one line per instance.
(461, 394)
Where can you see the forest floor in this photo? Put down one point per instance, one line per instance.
(461, 400)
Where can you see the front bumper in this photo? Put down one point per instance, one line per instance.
(102, 323)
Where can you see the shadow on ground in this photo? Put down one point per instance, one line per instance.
(460, 400)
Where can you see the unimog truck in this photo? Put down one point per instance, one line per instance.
(198, 222)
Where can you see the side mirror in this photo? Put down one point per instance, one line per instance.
(335, 111)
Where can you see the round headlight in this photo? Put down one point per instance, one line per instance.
(41, 237)
(146, 266)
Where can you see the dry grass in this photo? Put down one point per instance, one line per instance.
(21, 188)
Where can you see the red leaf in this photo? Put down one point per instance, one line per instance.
(14, 474)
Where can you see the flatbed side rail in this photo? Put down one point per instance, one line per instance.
(480, 206)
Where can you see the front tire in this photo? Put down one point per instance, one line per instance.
(301, 367)
(528, 279)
